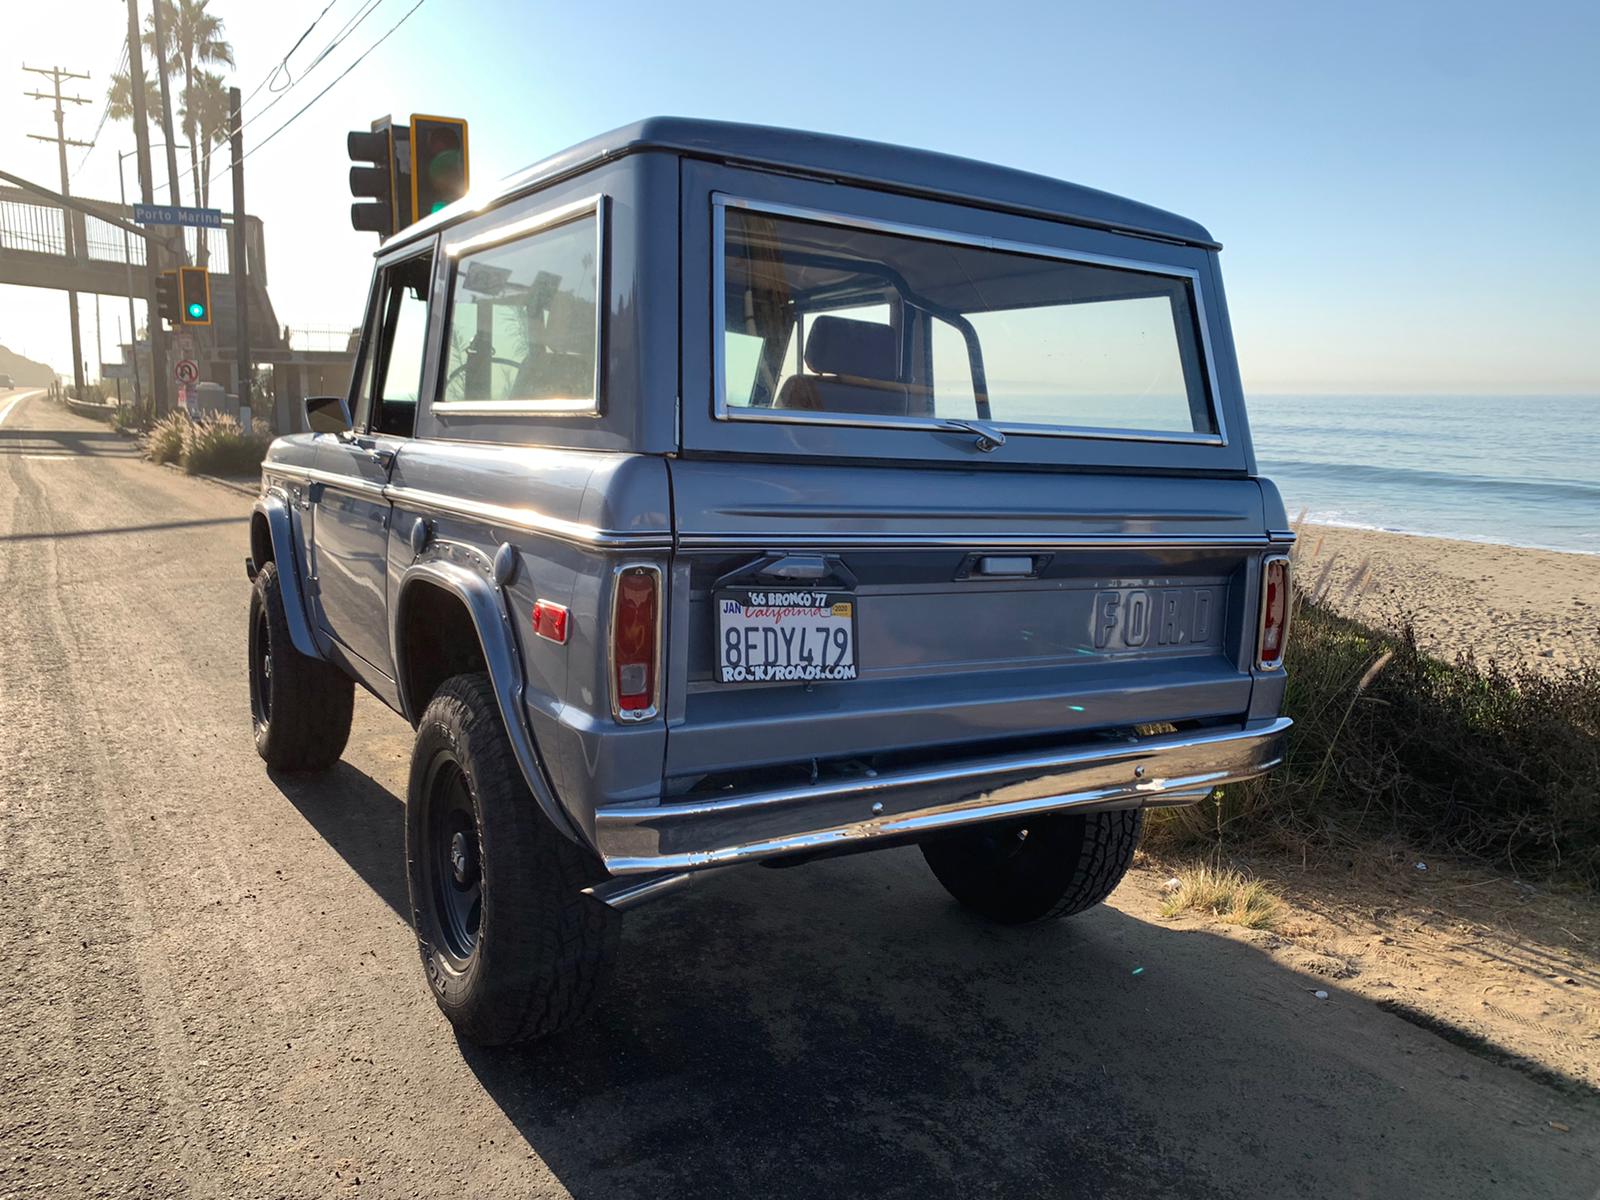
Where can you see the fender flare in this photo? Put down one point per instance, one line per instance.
(498, 643)
(275, 510)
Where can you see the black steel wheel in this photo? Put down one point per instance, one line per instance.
(300, 707)
(454, 859)
(511, 945)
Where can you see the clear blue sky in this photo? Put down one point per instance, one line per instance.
(1407, 193)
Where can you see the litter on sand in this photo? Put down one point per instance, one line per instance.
(1560, 1126)
(1422, 866)
(1138, 970)
(1320, 994)
(1172, 884)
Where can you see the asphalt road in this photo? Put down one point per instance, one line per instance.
(210, 987)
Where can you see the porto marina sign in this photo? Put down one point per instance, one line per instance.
(175, 214)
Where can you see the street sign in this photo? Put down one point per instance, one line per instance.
(175, 214)
(187, 371)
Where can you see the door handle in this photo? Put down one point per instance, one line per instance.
(382, 457)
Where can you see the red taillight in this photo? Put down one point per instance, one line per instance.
(1274, 635)
(634, 653)
(550, 621)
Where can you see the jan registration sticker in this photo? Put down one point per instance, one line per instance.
(785, 636)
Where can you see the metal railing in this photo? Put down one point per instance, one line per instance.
(31, 224)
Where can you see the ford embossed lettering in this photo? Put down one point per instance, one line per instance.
(768, 637)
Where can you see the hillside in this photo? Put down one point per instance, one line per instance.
(25, 371)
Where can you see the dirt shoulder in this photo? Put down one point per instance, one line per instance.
(1505, 970)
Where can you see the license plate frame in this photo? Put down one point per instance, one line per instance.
(806, 655)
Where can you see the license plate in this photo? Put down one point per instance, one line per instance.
(785, 636)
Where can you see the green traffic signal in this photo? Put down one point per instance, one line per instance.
(194, 288)
(439, 172)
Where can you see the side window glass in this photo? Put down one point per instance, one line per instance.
(361, 401)
(405, 335)
(524, 332)
(953, 393)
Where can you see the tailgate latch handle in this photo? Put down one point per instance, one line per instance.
(989, 438)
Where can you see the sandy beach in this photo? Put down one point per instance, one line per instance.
(1505, 603)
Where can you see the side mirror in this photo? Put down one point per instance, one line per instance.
(327, 414)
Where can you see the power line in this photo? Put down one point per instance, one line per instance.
(344, 33)
(283, 63)
(259, 145)
(105, 111)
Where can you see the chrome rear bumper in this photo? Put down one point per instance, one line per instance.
(723, 830)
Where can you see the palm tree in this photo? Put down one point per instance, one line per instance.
(194, 37)
(207, 121)
(119, 98)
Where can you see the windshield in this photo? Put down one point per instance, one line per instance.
(838, 322)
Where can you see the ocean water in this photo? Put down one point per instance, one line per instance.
(1518, 470)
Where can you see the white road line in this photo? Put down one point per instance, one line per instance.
(15, 400)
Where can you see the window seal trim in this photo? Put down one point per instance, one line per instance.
(510, 231)
(722, 411)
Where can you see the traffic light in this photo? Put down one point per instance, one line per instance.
(372, 180)
(438, 163)
(194, 295)
(167, 298)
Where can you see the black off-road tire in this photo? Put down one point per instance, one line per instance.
(1036, 869)
(300, 707)
(530, 952)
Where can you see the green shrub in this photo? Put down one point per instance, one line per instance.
(1497, 763)
(165, 444)
(218, 446)
(131, 418)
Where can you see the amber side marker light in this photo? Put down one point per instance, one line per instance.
(635, 637)
(1273, 637)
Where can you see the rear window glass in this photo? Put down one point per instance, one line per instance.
(830, 321)
(522, 331)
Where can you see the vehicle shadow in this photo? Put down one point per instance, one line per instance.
(363, 822)
(66, 441)
(846, 1029)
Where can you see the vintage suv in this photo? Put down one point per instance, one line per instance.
(710, 494)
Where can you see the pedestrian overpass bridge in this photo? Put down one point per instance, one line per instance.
(108, 261)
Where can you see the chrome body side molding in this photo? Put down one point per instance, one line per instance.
(906, 804)
(800, 539)
(500, 516)
(529, 520)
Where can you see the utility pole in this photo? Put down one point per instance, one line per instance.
(241, 298)
(166, 102)
(62, 141)
(141, 133)
(127, 261)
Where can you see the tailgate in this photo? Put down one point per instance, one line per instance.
(988, 606)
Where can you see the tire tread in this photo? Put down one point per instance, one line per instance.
(313, 702)
(545, 950)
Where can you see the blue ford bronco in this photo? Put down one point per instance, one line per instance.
(709, 495)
